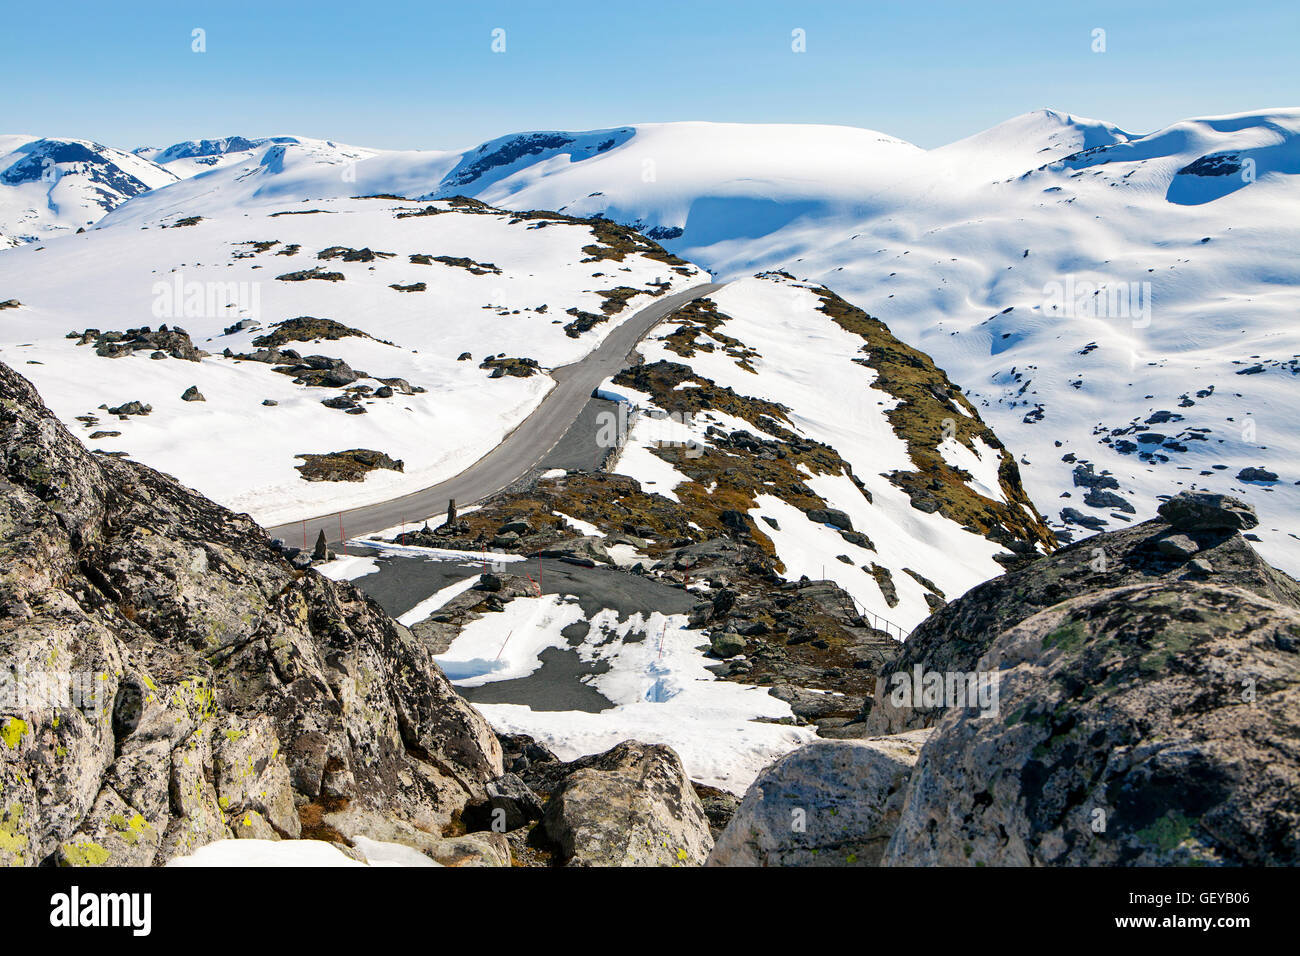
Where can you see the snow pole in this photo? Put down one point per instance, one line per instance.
(304, 534)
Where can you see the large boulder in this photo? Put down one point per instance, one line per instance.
(829, 803)
(831, 516)
(1201, 543)
(589, 548)
(178, 681)
(630, 806)
(1149, 725)
(1203, 511)
(812, 705)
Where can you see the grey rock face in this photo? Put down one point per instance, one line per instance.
(630, 806)
(812, 704)
(1254, 473)
(1085, 477)
(830, 803)
(510, 804)
(1098, 498)
(130, 408)
(1177, 546)
(589, 548)
(727, 644)
(187, 648)
(955, 637)
(1148, 725)
(831, 516)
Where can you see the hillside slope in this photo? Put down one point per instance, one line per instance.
(423, 332)
(852, 457)
(1121, 307)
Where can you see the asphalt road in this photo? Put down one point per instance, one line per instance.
(526, 446)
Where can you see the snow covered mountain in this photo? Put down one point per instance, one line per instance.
(1120, 307)
(279, 250)
(192, 157)
(704, 184)
(818, 453)
(390, 312)
(50, 186)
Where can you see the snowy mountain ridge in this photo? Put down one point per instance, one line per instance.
(1170, 368)
(1174, 246)
(49, 186)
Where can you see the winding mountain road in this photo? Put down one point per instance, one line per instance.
(522, 449)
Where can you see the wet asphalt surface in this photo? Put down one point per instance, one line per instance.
(559, 683)
(577, 450)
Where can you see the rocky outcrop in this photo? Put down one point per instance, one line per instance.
(517, 367)
(351, 465)
(171, 680)
(1150, 725)
(159, 343)
(830, 803)
(588, 549)
(1196, 538)
(1208, 512)
(510, 804)
(630, 806)
(1143, 709)
(306, 328)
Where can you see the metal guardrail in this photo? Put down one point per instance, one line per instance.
(877, 621)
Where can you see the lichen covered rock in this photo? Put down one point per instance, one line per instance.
(171, 680)
(829, 803)
(630, 806)
(1147, 725)
(1206, 547)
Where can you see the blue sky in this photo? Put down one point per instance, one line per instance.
(423, 75)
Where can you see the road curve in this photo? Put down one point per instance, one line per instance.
(521, 449)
